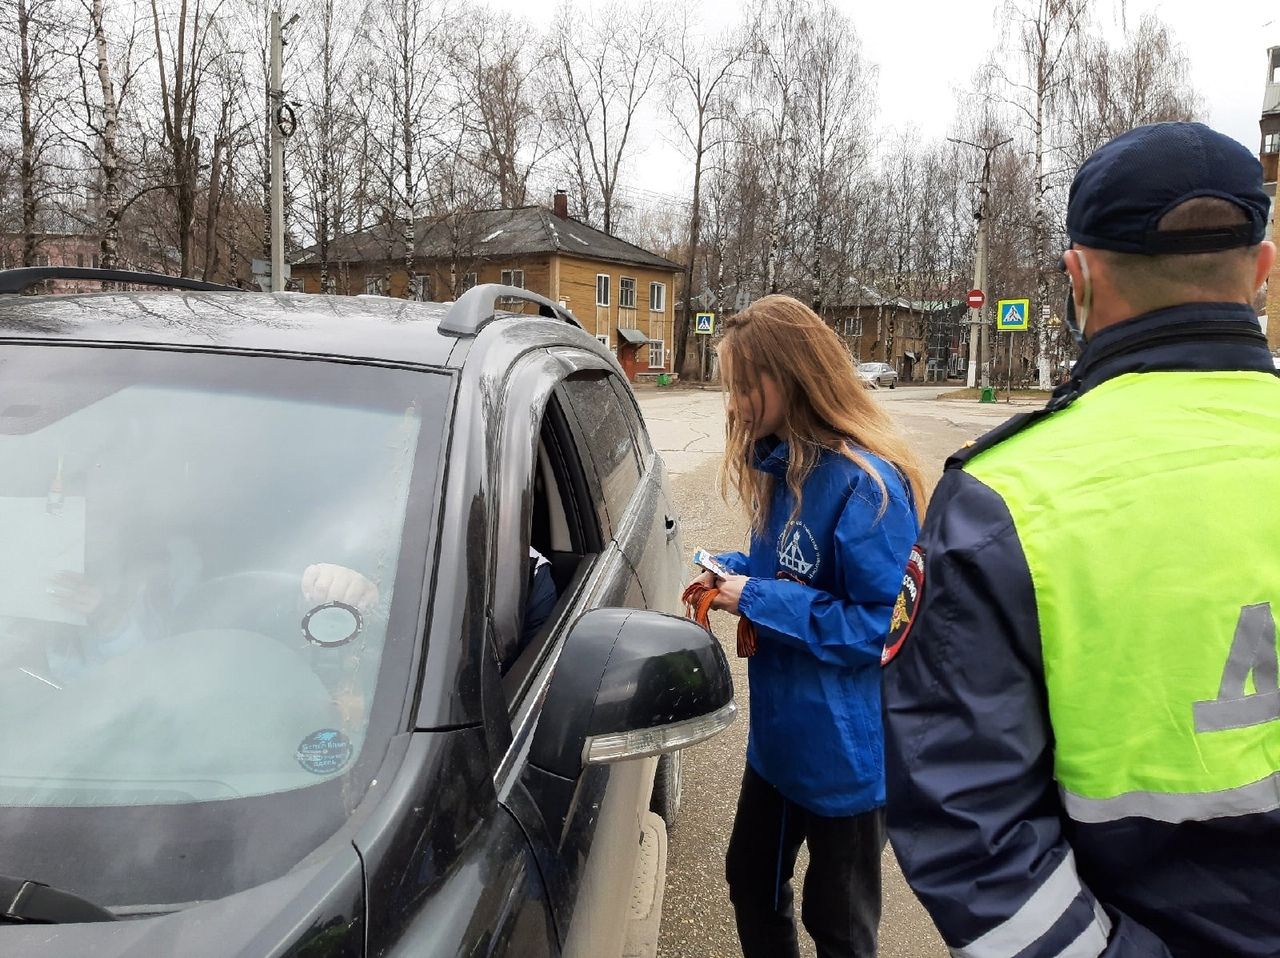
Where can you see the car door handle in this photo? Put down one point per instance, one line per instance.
(672, 528)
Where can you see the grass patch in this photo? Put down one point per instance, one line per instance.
(1041, 395)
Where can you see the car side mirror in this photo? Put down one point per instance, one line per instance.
(631, 684)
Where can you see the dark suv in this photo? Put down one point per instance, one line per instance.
(265, 670)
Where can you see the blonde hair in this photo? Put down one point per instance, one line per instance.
(826, 406)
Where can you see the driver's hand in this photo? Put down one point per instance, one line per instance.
(326, 582)
(74, 592)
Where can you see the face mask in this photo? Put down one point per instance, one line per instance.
(1076, 326)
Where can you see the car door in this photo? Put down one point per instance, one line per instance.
(584, 831)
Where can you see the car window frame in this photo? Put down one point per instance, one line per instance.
(590, 542)
(614, 524)
(525, 393)
(639, 428)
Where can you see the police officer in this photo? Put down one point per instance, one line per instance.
(1080, 684)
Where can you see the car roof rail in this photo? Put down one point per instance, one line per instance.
(19, 280)
(479, 305)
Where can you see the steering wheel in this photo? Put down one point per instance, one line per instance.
(266, 601)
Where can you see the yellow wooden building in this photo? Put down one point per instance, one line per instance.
(621, 293)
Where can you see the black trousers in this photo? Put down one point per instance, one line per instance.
(841, 888)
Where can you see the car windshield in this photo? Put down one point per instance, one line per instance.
(208, 581)
(869, 368)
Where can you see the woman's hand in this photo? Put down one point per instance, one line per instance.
(707, 580)
(730, 592)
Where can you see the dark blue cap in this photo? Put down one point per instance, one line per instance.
(1121, 192)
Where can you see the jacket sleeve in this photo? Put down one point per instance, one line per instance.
(870, 550)
(973, 811)
(735, 562)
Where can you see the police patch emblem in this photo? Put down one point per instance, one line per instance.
(905, 609)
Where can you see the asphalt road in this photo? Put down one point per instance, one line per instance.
(688, 429)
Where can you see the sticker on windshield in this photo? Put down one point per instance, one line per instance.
(324, 752)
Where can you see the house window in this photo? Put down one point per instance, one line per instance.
(42, 259)
(657, 347)
(657, 354)
(95, 260)
(627, 293)
(422, 288)
(658, 297)
(373, 285)
(602, 289)
(1271, 143)
(80, 259)
(512, 277)
(468, 281)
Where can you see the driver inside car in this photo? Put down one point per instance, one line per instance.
(137, 606)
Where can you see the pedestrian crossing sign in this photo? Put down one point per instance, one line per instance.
(704, 323)
(1011, 315)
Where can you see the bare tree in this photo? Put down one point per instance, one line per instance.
(109, 64)
(10, 202)
(772, 120)
(702, 78)
(330, 129)
(410, 68)
(495, 77)
(32, 68)
(1046, 31)
(605, 69)
(837, 103)
(188, 44)
(1115, 87)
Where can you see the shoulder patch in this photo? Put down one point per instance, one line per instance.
(905, 609)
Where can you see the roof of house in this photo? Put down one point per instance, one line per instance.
(486, 234)
(864, 296)
(857, 295)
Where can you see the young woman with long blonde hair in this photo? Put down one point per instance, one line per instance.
(833, 495)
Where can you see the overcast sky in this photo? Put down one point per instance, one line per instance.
(925, 49)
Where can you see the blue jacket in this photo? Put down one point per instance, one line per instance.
(821, 592)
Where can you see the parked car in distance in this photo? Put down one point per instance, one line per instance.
(214, 762)
(878, 374)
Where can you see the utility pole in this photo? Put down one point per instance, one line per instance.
(277, 155)
(978, 326)
(282, 123)
(977, 317)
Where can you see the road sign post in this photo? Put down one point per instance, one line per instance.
(704, 324)
(1008, 397)
(1011, 317)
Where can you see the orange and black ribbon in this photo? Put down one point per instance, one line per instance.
(697, 606)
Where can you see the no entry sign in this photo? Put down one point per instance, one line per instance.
(976, 299)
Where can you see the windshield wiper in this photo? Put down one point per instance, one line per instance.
(32, 902)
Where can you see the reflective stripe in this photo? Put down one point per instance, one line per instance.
(1025, 926)
(1091, 942)
(1252, 799)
